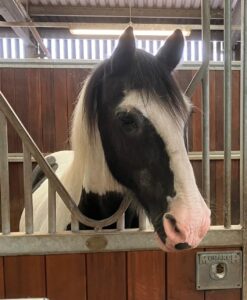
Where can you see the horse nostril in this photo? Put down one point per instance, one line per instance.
(172, 221)
(182, 246)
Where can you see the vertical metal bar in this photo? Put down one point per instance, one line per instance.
(142, 220)
(121, 222)
(4, 175)
(205, 5)
(51, 208)
(28, 200)
(227, 112)
(244, 141)
(74, 224)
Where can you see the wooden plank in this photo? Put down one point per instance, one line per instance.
(21, 101)
(196, 120)
(146, 275)
(48, 110)
(219, 129)
(61, 109)
(219, 198)
(106, 276)
(24, 276)
(181, 276)
(34, 107)
(16, 194)
(183, 77)
(66, 277)
(7, 87)
(235, 192)
(213, 112)
(2, 294)
(197, 168)
(75, 80)
(213, 191)
(231, 294)
(235, 110)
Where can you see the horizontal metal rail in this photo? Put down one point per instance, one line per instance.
(105, 240)
(89, 64)
(195, 155)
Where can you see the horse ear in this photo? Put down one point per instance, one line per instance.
(171, 52)
(124, 54)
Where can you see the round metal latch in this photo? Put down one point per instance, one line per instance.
(218, 270)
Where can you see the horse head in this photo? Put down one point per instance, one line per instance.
(129, 127)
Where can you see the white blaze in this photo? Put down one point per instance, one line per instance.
(171, 130)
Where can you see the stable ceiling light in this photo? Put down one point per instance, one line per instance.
(145, 32)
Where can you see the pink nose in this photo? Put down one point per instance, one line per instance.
(182, 236)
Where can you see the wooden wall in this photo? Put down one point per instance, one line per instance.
(44, 100)
(141, 275)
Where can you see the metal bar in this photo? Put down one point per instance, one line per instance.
(205, 5)
(51, 208)
(74, 224)
(227, 112)
(4, 175)
(89, 64)
(28, 200)
(194, 155)
(213, 155)
(142, 220)
(121, 222)
(133, 239)
(243, 204)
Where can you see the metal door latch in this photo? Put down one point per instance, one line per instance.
(218, 270)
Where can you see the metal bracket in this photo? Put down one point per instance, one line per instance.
(218, 270)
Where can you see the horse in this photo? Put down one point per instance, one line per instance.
(128, 136)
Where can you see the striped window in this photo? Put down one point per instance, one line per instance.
(95, 49)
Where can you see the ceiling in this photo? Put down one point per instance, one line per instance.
(66, 12)
(215, 4)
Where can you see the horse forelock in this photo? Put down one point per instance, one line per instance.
(89, 159)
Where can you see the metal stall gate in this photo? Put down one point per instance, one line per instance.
(12, 243)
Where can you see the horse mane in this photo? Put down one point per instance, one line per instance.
(145, 75)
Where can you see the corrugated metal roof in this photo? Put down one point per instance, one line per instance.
(136, 3)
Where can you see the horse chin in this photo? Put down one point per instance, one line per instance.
(161, 237)
(162, 240)
(163, 246)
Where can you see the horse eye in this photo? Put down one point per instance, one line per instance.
(127, 121)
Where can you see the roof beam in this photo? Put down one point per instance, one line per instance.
(84, 11)
(11, 14)
(120, 26)
(14, 10)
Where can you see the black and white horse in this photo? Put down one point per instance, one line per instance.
(128, 135)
